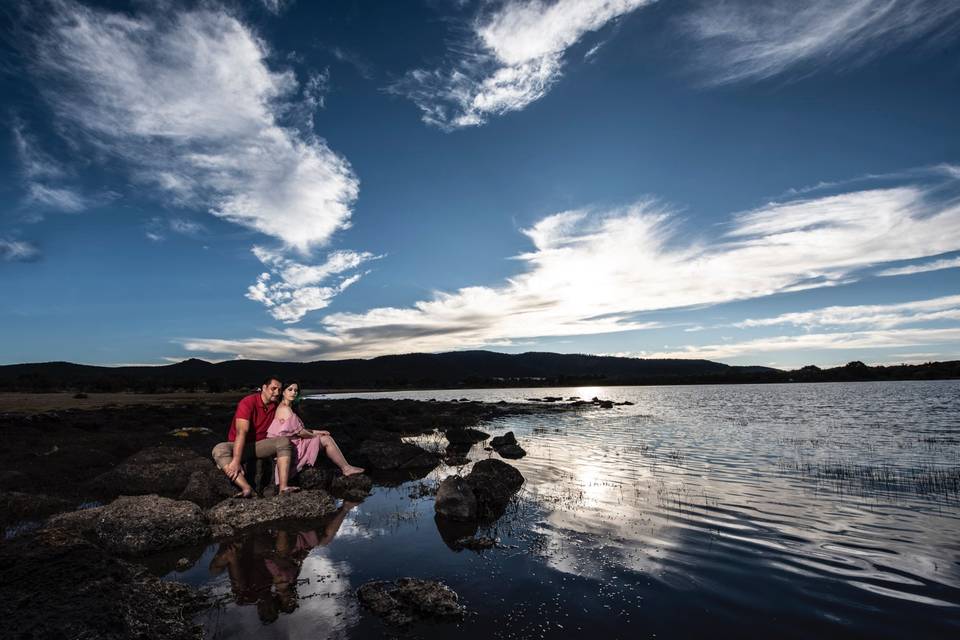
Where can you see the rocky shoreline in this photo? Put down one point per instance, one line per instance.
(87, 494)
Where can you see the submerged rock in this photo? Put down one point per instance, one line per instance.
(137, 525)
(380, 454)
(511, 451)
(240, 513)
(476, 544)
(408, 600)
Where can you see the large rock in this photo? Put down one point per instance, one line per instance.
(455, 499)
(465, 436)
(80, 522)
(408, 600)
(389, 455)
(315, 478)
(511, 451)
(481, 495)
(137, 525)
(239, 513)
(207, 488)
(156, 470)
(55, 584)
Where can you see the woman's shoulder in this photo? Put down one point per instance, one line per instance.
(283, 412)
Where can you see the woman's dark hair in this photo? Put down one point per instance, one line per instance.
(296, 402)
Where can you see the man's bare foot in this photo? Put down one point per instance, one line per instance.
(244, 494)
(350, 470)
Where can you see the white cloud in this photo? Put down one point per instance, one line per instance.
(744, 40)
(34, 162)
(936, 265)
(888, 339)
(515, 54)
(290, 289)
(17, 250)
(188, 100)
(60, 198)
(276, 6)
(874, 316)
(593, 272)
(185, 227)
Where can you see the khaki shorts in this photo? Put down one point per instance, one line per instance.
(266, 448)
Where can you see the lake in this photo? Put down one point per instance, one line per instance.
(748, 510)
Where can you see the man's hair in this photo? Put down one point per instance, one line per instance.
(266, 381)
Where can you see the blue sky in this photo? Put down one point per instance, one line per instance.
(770, 182)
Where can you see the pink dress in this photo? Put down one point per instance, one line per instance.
(307, 448)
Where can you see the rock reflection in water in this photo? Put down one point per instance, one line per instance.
(265, 567)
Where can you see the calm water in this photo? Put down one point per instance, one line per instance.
(767, 510)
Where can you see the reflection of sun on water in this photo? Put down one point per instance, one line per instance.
(588, 393)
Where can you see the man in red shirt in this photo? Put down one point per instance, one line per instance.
(255, 410)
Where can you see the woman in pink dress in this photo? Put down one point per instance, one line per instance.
(308, 442)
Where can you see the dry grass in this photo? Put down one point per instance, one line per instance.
(41, 402)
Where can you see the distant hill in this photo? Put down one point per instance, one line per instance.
(458, 369)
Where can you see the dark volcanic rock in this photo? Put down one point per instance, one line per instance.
(396, 455)
(136, 525)
(511, 451)
(57, 585)
(455, 499)
(16, 506)
(481, 495)
(80, 522)
(505, 439)
(161, 470)
(476, 544)
(354, 488)
(207, 488)
(465, 436)
(239, 513)
(408, 600)
(315, 478)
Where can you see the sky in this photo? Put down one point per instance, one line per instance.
(754, 182)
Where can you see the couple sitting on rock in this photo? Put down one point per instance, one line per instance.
(278, 431)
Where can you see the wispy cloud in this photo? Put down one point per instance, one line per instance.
(17, 250)
(743, 40)
(156, 228)
(59, 198)
(887, 339)
(188, 101)
(593, 272)
(936, 265)
(514, 54)
(43, 175)
(290, 289)
(873, 316)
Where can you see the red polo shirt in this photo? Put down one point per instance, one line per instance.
(260, 416)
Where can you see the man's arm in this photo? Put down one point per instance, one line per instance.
(234, 468)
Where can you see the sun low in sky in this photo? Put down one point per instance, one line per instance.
(771, 182)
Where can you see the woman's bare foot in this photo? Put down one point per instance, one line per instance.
(350, 470)
(290, 489)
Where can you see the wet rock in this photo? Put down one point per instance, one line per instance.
(207, 488)
(605, 404)
(511, 451)
(221, 531)
(407, 600)
(625, 403)
(396, 455)
(481, 495)
(183, 564)
(453, 530)
(240, 513)
(156, 470)
(493, 482)
(476, 544)
(81, 522)
(465, 436)
(456, 500)
(137, 525)
(55, 584)
(354, 488)
(505, 439)
(422, 490)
